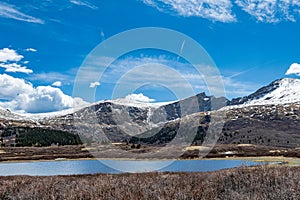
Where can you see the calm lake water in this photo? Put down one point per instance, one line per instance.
(68, 167)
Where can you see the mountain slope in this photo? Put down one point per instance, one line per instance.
(119, 121)
(281, 91)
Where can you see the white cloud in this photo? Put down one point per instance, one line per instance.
(83, 3)
(11, 87)
(94, 84)
(8, 11)
(138, 98)
(57, 84)
(294, 69)
(7, 54)
(20, 95)
(14, 67)
(9, 59)
(31, 49)
(215, 10)
(271, 11)
(79, 103)
(44, 99)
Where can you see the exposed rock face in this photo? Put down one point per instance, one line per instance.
(199, 103)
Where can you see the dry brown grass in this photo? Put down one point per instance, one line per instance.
(276, 182)
(103, 151)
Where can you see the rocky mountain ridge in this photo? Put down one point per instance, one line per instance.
(281, 91)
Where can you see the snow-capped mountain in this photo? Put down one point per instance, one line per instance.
(269, 115)
(281, 91)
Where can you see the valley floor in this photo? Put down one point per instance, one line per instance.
(260, 182)
(105, 152)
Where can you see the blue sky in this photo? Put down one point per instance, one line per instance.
(43, 44)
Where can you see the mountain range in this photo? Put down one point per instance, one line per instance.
(270, 116)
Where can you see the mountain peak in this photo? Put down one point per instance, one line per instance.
(281, 91)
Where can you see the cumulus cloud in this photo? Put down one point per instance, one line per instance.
(7, 54)
(138, 98)
(271, 11)
(14, 67)
(220, 10)
(294, 69)
(94, 84)
(9, 59)
(57, 84)
(11, 87)
(8, 11)
(20, 95)
(79, 103)
(43, 99)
